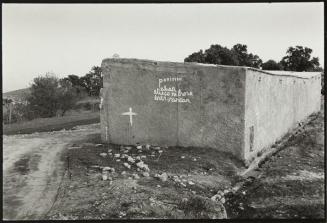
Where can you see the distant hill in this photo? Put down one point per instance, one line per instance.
(16, 95)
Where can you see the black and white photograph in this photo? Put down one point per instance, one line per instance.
(157, 110)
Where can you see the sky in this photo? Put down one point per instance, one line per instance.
(71, 38)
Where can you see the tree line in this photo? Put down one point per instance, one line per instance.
(50, 96)
(297, 58)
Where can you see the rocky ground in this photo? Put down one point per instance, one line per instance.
(107, 181)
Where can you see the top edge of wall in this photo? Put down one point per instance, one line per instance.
(303, 75)
(167, 63)
(283, 73)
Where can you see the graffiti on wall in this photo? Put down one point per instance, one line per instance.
(167, 93)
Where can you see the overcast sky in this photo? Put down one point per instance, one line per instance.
(71, 38)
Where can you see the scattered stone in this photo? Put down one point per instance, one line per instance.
(147, 146)
(145, 174)
(130, 178)
(158, 186)
(109, 150)
(95, 166)
(160, 151)
(138, 169)
(182, 157)
(139, 147)
(135, 176)
(123, 173)
(98, 145)
(243, 192)
(184, 185)
(138, 158)
(128, 147)
(117, 155)
(130, 159)
(107, 168)
(163, 177)
(143, 166)
(193, 192)
(117, 160)
(143, 157)
(194, 159)
(103, 154)
(104, 177)
(157, 148)
(127, 165)
(191, 183)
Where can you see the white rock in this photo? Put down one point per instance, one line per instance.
(117, 155)
(97, 145)
(158, 186)
(194, 159)
(117, 160)
(123, 173)
(191, 183)
(109, 150)
(107, 168)
(163, 177)
(184, 185)
(131, 160)
(127, 165)
(147, 146)
(143, 157)
(136, 176)
(104, 177)
(103, 154)
(139, 147)
(157, 148)
(145, 174)
(182, 157)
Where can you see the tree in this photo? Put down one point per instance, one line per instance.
(92, 81)
(299, 59)
(245, 58)
(48, 95)
(198, 57)
(271, 65)
(216, 54)
(67, 96)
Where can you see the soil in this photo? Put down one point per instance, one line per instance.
(290, 184)
(33, 169)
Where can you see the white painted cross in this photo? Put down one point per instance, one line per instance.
(130, 113)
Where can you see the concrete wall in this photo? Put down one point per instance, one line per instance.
(234, 109)
(275, 102)
(210, 112)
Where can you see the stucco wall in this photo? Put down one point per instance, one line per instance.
(274, 104)
(211, 114)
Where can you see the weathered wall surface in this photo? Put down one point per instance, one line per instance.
(274, 104)
(176, 104)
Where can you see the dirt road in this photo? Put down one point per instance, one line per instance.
(33, 168)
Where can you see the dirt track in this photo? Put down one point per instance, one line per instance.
(33, 169)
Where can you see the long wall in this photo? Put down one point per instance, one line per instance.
(275, 103)
(210, 111)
